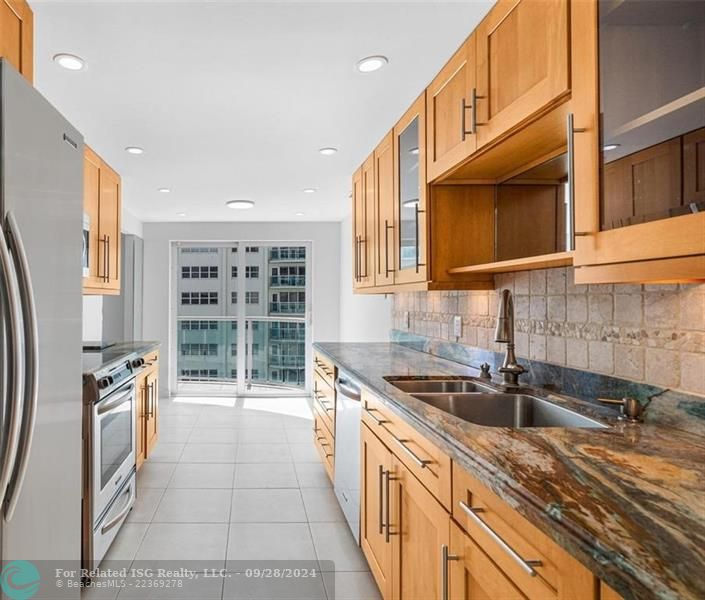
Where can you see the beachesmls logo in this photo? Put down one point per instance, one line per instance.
(19, 580)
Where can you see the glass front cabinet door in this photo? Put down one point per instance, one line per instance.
(646, 222)
(411, 211)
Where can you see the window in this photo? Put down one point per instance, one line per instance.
(199, 325)
(203, 373)
(252, 249)
(251, 297)
(199, 250)
(233, 349)
(199, 272)
(288, 253)
(252, 272)
(192, 298)
(233, 299)
(233, 271)
(254, 374)
(199, 349)
(233, 373)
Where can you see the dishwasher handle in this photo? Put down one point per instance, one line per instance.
(348, 389)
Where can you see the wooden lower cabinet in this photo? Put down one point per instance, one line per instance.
(147, 411)
(376, 466)
(419, 531)
(471, 573)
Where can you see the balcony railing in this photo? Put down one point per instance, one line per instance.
(287, 281)
(287, 308)
(290, 254)
(287, 361)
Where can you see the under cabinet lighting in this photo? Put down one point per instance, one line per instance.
(240, 204)
(371, 63)
(609, 147)
(70, 62)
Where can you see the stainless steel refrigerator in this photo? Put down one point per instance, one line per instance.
(41, 190)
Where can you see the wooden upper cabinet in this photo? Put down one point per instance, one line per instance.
(102, 207)
(17, 36)
(523, 63)
(384, 211)
(410, 195)
(451, 113)
(364, 225)
(375, 507)
(694, 167)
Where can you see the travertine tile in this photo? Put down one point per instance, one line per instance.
(601, 357)
(537, 347)
(521, 283)
(537, 308)
(692, 372)
(576, 352)
(521, 343)
(629, 362)
(556, 308)
(521, 307)
(537, 282)
(570, 286)
(661, 309)
(662, 367)
(628, 309)
(555, 350)
(600, 308)
(555, 281)
(577, 311)
(692, 310)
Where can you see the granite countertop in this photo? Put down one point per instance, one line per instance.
(93, 361)
(627, 501)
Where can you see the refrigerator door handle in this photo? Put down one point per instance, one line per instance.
(15, 369)
(31, 364)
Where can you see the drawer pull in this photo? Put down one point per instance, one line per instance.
(419, 461)
(375, 419)
(445, 557)
(527, 565)
(380, 483)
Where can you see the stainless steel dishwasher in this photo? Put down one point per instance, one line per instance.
(347, 449)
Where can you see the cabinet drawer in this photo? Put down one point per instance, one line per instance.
(517, 546)
(326, 414)
(430, 466)
(325, 369)
(324, 399)
(323, 440)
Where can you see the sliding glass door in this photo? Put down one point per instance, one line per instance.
(241, 318)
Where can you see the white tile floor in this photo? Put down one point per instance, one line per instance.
(240, 480)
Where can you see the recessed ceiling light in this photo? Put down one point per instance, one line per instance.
(608, 147)
(329, 151)
(411, 203)
(414, 151)
(69, 61)
(299, 214)
(134, 150)
(164, 190)
(371, 63)
(180, 214)
(309, 190)
(240, 204)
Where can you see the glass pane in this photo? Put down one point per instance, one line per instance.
(408, 195)
(115, 441)
(207, 350)
(279, 353)
(652, 80)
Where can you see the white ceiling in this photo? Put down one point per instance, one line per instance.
(233, 99)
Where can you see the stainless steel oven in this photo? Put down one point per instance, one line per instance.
(113, 444)
(110, 402)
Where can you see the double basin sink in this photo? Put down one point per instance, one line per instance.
(485, 405)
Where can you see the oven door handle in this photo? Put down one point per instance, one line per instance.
(119, 517)
(119, 401)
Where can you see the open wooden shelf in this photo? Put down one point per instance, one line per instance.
(545, 261)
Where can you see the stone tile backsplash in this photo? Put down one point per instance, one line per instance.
(648, 333)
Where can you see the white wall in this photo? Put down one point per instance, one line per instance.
(93, 305)
(363, 317)
(326, 267)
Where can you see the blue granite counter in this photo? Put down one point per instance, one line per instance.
(627, 501)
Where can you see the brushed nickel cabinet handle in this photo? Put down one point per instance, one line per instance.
(387, 521)
(375, 419)
(387, 227)
(570, 220)
(417, 212)
(422, 463)
(380, 483)
(445, 557)
(526, 565)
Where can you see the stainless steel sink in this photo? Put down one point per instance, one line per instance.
(507, 410)
(444, 386)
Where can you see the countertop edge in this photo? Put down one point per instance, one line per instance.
(137, 349)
